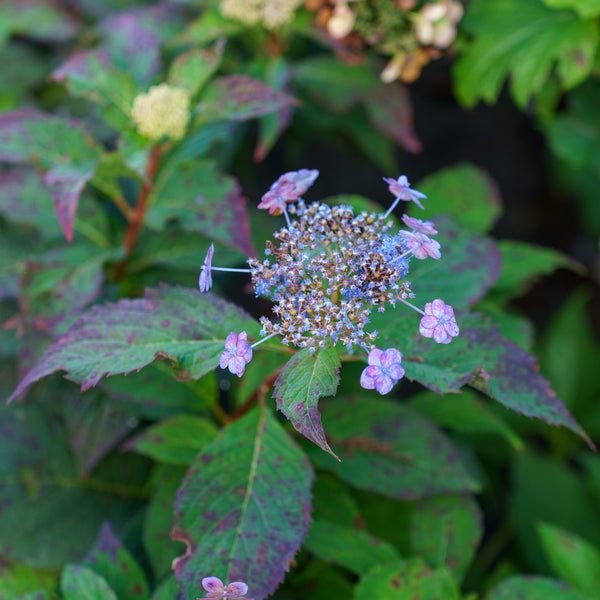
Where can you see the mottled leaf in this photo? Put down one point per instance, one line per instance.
(90, 74)
(175, 440)
(80, 583)
(353, 549)
(303, 380)
(17, 580)
(389, 449)
(407, 580)
(203, 200)
(390, 110)
(333, 502)
(466, 193)
(446, 531)
(181, 325)
(194, 68)
(239, 98)
(111, 560)
(243, 508)
(529, 587)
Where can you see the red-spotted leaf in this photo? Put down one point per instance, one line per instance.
(303, 380)
(63, 149)
(529, 587)
(111, 560)
(390, 450)
(239, 98)
(244, 507)
(204, 200)
(179, 324)
(79, 582)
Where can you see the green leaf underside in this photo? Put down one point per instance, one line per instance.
(178, 324)
(481, 357)
(81, 583)
(354, 549)
(533, 588)
(303, 380)
(388, 449)
(243, 508)
(407, 580)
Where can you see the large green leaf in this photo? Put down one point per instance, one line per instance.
(533, 588)
(81, 583)
(178, 324)
(243, 509)
(586, 8)
(303, 380)
(17, 580)
(389, 449)
(524, 40)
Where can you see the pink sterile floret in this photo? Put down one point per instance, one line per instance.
(384, 370)
(237, 353)
(439, 322)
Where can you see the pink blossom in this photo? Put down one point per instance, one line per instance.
(384, 370)
(421, 246)
(301, 180)
(236, 590)
(237, 353)
(439, 322)
(426, 227)
(276, 198)
(205, 279)
(400, 188)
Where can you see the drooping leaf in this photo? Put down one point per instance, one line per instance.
(463, 191)
(194, 68)
(90, 74)
(525, 40)
(78, 582)
(239, 98)
(407, 580)
(243, 508)
(446, 531)
(175, 441)
(573, 559)
(178, 324)
(303, 380)
(389, 449)
(529, 587)
(111, 560)
(203, 200)
(352, 548)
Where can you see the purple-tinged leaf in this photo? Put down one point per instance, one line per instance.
(244, 507)
(390, 450)
(177, 324)
(303, 380)
(530, 587)
(90, 74)
(193, 69)
(79, 582)
(446, 530)
(351, 548)
(407, 580)
(204, 200)
(239, 98)
(111, 560)
(390, 110)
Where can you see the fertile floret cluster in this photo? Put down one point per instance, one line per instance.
(271, 13)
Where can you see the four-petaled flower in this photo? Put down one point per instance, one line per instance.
(426, 227)
(205, 279)
(237, 353)
(236, 590)
(401, 189)
(384, 370)
(420, 245)
(439, 322)
(288, 188)
(301, 180)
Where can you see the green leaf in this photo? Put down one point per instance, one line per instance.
(243, 509)
(111, 560)
(446, 531)
(466, 193)
(178, 324)
(175, 440)
(17, 580)
(352, 548)
(80, 583)
(91, 75)
(526, 41)
(388, 449)
(406, 580)
(193, 69)
(585, 8)
(303, 380)
(333, 503)
(208, 28)
(573, 559)
(203, 200)
(529, 587)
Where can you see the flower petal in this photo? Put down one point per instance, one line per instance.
(213, 584)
